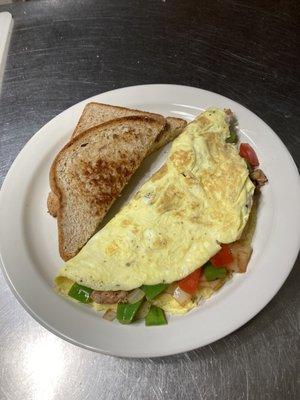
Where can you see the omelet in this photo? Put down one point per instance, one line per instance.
(199, 198)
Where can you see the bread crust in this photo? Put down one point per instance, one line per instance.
(113, 109)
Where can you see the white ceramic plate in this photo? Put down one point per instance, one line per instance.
(28, 237)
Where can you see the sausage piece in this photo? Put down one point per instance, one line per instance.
(108, 297)
(258, 177)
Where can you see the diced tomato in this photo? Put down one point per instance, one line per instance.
(223, 257)
(190, 283)
(249, 154)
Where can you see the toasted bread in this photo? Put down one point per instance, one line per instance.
(89, 173)
(172, 129)
(97, 113)
(52, 204)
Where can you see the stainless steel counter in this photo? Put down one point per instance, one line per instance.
(63, 52)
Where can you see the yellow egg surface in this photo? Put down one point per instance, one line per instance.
(199, 198)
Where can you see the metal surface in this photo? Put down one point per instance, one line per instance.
(63, 52)
(6, 23)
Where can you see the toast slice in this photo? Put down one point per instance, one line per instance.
(172, 129)
(89, 173)
(96, 113)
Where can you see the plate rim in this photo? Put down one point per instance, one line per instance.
(187, 347)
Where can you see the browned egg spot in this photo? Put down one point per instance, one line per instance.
(111, 248)
(160, 173)
(204, 120)
(171, 199)
(182, 158)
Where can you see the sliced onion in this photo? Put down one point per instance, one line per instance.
(244, 257)
(171, 288)
(233, 266)
(109, 315)
(135, 296)
(241, 253)
(214, 285)
(181, 297)
(143, 310)
(205, 284)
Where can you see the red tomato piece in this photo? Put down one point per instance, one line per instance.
(249, 154)
(190, 283)
(223, 257)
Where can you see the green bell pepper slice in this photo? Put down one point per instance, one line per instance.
(126, 312)
(80, 293)
(151, 291)
(211, 273)
(249, 166)
(233, 138)
(155, 316)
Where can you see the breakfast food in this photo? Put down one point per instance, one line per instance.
(97, 113)
(90, 172)
(180, 237)
(93, 115)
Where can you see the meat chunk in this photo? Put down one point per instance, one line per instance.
(230, 118)
(108, 297)
(258, 177)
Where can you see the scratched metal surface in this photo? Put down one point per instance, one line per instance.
(63, 52)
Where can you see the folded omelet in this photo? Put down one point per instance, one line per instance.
(199, 198)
